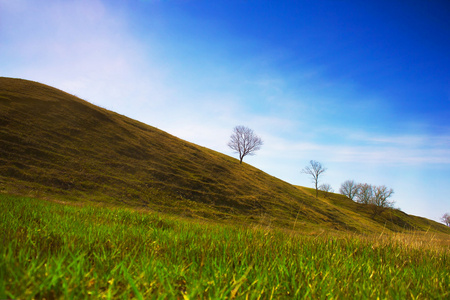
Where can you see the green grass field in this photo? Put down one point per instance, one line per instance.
(53, 250)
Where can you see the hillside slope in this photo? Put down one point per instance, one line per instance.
(55, 145)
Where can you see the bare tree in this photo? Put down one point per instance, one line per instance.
(244, 141)
(315, 169)
(365, 193)
(446, 219)
(380, 196)
(349, 188)
(326, 189)
(376, 196)
(380, 199)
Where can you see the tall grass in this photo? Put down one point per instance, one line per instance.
(55, 251)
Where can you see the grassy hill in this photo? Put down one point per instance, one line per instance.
(57, 146)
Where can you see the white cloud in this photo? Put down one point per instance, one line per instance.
(390, 150)
(83, 48)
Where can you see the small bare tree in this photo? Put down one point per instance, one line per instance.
(244, 141)
(375, 196)
(446, 219)
(349, 188)
(315, 169)
(380, 196)
(326, 189)
(365, 193)
(380, 199)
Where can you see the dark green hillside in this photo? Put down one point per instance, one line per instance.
(57, 146)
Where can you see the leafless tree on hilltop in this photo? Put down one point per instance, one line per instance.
(244, 141)
(315, 169)
(350, 189)
(446, 219)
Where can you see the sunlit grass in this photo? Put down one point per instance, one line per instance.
(55, 251)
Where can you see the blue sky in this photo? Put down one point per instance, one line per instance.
(361, 86)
